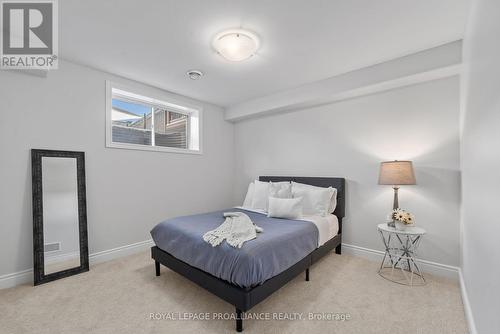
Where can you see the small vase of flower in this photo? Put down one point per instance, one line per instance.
(402, 219)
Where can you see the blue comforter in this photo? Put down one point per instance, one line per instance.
(283, 243)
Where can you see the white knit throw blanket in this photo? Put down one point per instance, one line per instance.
(236, 229)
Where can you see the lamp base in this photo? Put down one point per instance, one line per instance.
(395, 204)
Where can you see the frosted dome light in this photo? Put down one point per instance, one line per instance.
(236, 44)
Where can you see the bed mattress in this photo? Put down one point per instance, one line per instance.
(283, 243)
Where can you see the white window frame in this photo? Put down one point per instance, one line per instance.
(141, 95)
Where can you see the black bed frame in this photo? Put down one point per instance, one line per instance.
(245, 298)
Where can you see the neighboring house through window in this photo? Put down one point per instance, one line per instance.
(141, 122)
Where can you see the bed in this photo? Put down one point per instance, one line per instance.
(244, 277)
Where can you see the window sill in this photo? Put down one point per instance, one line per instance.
(153, 148)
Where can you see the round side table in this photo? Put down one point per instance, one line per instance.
(400, 259)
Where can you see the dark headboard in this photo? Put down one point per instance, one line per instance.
(335, 182)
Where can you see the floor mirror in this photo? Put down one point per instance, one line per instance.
(60, 246)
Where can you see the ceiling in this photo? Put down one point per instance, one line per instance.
(157, 41)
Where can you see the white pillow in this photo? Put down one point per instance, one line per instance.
(247, 203)
(260, 195)
(333, 200)
(289, 208)
(314, 201)
(280, 189)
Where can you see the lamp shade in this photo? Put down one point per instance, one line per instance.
(396, 173)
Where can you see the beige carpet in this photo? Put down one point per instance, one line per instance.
(118, 297)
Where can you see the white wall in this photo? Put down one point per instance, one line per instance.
(481, 165)
(350, 139)
(66, 111)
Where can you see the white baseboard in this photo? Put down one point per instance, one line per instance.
(430, 267)
(62, 257)
(13, 279)
(117, 252)
(467, 308)
(26, 276)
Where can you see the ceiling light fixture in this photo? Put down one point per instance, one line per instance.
(194, 74)
(236, 44)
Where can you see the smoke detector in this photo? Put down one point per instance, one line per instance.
(194, 74)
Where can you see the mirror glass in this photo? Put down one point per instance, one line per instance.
(60, 214)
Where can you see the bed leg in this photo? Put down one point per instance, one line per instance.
(239, 320)
(338, 249)
(157, 268)
(307, 274)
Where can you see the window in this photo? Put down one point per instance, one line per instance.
(141, 122)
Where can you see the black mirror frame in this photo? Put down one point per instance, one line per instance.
(38, 244)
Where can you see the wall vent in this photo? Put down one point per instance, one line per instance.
(52, 247)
